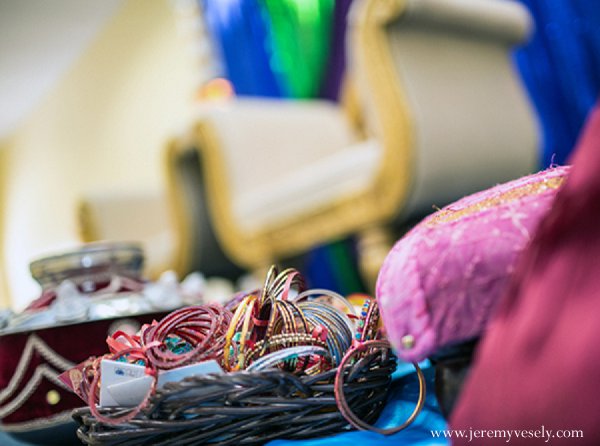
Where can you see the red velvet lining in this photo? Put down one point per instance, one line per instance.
(74, 342)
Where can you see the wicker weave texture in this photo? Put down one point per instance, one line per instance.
(248, 408)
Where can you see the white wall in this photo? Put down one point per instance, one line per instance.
(103, 126)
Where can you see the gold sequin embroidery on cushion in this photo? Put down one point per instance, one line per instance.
(447, 215)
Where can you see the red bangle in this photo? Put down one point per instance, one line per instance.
(341, 398)
(202, 326)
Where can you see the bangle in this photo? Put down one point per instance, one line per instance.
(248, 302)
(244, 335)
(341, 398)
(279, 284)
(282, 319)
(326, 293)
(274, 358)
(278, 342)
(271, 274)
(187, 335)
(338, 328)
(292, 318)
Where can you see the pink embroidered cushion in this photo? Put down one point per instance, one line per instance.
(440, 283)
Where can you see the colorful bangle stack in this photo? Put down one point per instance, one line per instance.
(282, 325)
(335, 326)
(281, 343)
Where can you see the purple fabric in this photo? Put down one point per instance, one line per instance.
(539, 364)
(336, 63)
(441, 282)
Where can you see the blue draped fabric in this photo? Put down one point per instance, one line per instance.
(239, 30)
(561, 68)
(278, 48)
(404, 393)
(333, 266)
(7, 440)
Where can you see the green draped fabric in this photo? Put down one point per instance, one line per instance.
(300, 36)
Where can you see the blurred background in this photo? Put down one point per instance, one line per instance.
(92, 92)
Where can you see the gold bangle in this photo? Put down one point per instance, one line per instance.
(233, 326)
(280, 340)
(244, 335)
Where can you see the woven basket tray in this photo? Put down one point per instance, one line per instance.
(247, 408)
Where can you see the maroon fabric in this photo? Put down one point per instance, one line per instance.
(74, 343)
(539, 364)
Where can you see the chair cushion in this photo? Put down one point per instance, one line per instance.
(309, 188)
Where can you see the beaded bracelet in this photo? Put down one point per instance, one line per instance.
(368, 323)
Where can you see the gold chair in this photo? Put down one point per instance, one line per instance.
(146, 217)
(443, 115)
